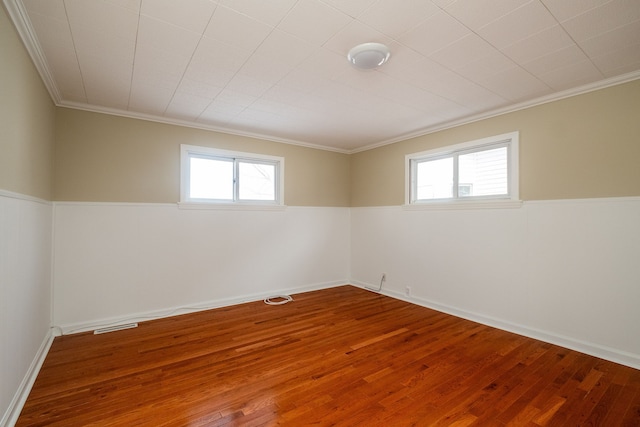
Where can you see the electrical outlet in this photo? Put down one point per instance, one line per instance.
(407, 291)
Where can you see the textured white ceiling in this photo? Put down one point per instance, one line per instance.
(277, 69)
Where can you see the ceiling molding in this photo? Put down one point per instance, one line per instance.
(194, 125)
(18, 15)
(602, 84)
(591, 87)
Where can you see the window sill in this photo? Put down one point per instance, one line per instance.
(230, 206)
(457, 205)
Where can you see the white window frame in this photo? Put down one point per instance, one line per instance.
(188, 151)
(512, 199)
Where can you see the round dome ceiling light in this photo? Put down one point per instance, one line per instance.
(367, 56)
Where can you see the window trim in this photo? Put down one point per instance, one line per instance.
(187, 151)
(511, 140)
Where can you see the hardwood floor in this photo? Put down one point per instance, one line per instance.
(341, 356)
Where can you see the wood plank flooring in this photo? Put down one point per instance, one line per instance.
(341, 356)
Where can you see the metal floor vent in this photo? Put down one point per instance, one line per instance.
(115, 328)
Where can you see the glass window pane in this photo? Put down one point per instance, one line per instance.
(434, 179)
(211, 179)
(257, 181)
(483, 173)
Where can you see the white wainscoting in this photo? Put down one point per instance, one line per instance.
(25, 297)
(116, 263)
(567, 272)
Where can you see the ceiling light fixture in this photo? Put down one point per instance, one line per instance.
(367, 56)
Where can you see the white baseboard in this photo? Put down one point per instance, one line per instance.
(596, 350)
(12, 413)
(174, 311)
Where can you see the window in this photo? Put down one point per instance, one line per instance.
(486, 169)
(227, 177)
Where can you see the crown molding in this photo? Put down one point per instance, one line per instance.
(557, 96)
(602, 84)
(194, 125)
(18, 14)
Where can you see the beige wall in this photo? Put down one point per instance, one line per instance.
(108, 158)
(581, 147)
(27, 117)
